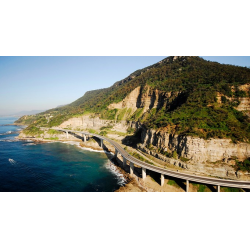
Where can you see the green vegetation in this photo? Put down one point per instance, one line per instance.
(130, 130)
(32, 130)
(52, 138)
(92, 131)
(107, 127)
(150, 147)
(109, 114)
(139, 157)
(53, 132)
(103, 133)
(243, 166)
(184, 159)
(204, 188)
(206, 122)
(175, 155)
(26, 120)
(137, 114)
(200, 187)
(121, 114)
(172, 183)
(231, 189)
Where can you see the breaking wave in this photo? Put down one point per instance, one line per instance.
(29, 144)
(74, 143)
(7, 133)
(12, 162)
(7, 140)
(113, 169)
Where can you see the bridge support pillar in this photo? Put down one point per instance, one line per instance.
(218, 189)
(116, 152)
(162, 180)
(84, 137)
(124, 162)
(143, 173)
(101, 143)
(187, 185)
(67, 134)
(131, 168)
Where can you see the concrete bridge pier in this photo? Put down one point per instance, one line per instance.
(124, 161)
(84, 137)
(187, 185)
(116, 152)
(144, 173)
(131, 168)
(162, 180)
(101, 143)
(67, 134)
(218, 189)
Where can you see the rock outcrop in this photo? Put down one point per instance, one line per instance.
(244, 104)
(221, 170)
(214, 157)
(145, 98)
(195, 149)
(93, 122)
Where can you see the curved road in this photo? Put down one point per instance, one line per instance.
(187, 177)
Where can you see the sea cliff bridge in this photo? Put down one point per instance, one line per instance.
(145, 166)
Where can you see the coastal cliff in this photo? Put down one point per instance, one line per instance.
(195, 149)
(192, 111)
(214, 157)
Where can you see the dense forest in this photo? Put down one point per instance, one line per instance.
(194, 112)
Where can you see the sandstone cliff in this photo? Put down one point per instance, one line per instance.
(214, 157)
(146, 99)
(94, 122)
(195, 149)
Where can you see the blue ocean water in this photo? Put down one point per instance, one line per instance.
(52, 167)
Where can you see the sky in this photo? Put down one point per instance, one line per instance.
(41, 83)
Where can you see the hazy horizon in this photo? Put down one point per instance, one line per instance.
(42, 83)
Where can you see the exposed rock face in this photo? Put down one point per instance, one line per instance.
(244, 101)
(196, 149)
(202, 154)
(145, 98)
(87, 122)
(130, 101)
(244, 104)
(215, 170)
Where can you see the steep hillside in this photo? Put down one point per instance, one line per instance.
(183, 95)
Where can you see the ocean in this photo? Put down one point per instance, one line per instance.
(26, 166)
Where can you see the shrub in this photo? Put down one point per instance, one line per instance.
(103, 133)
(130, 130)
(175, 155)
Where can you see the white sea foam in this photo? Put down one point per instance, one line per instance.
(113, 169)
(6, 133)
(92, 150)
(12, 162)
(75, 143)
(7, 140)
(71, 142)
(29, 144)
